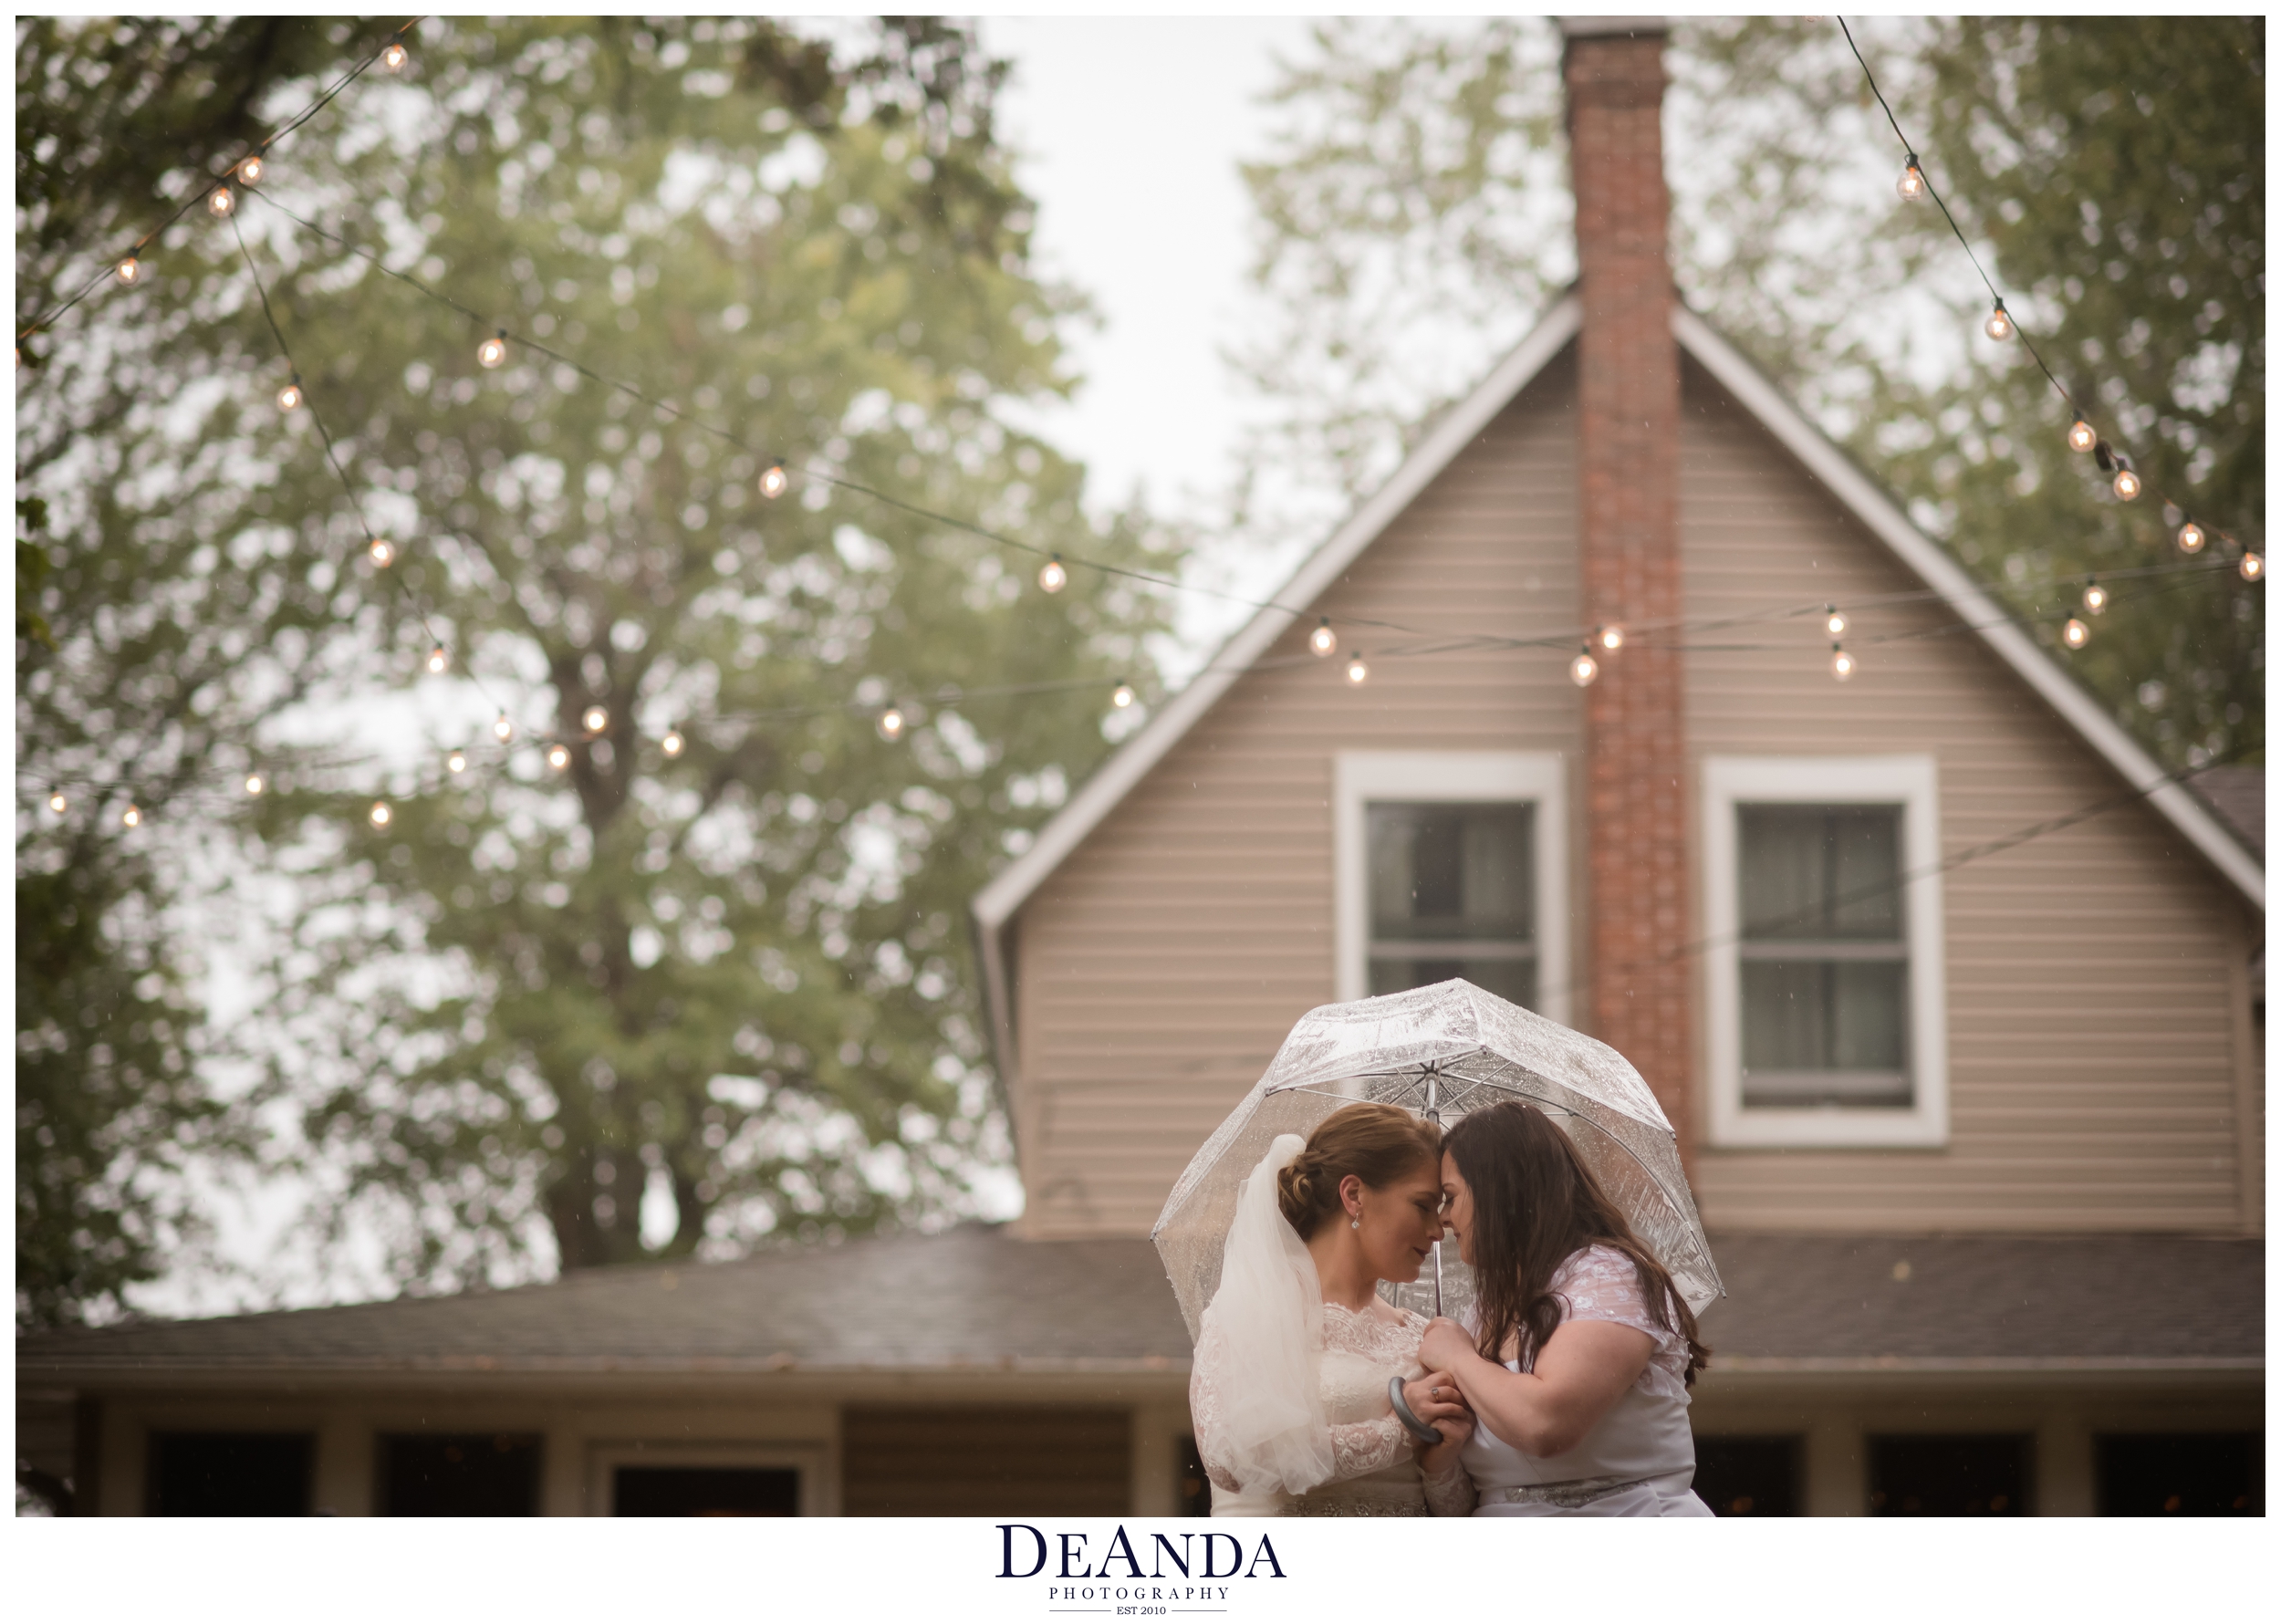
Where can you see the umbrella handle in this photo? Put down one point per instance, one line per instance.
(1418, 1429)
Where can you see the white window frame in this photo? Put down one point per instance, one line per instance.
(1540, 776)
(1912, 782)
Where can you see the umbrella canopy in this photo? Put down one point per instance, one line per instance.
(1450, 1048)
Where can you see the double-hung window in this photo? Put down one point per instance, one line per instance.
(1825, 1024)
(1452, 864)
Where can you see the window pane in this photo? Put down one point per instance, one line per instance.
(231, 1475)
(2180, 1474)
(1452, 873)
(1969, 1476)
(1749, 1477)
(1511, 979)
(483, 1474)
(1805, 870)
(706, 1492)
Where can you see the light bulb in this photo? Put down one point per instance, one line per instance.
(131, 817)
(1323, 639)
(253, 784)
(2081, 436)
(2075, 634)
(220, 201)
(381, 815)
(2190, 537)
(2127, 484)
(2095, 597)
(131, 270)
(383, 551)
(1358, 670)
(503, 730)
(671, 743)
(2252, 566)
(1123, 699)
(1611, 638)
(493, 351)
(289, 397)
(891, 724)
(1053, 576)
(1841, 662)
(1584, 670)
(393, 59)
(249, 171)
(1836, 623)
(773, 480)
(55, 802)
(437, 660)
(1911, 182)
(595, 719)
(1999, 324)
(456, 762)
(558, 756)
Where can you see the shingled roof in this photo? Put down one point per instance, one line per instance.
(977, 1299)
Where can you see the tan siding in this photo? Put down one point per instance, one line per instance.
(1162, 962)
(2090, 1042)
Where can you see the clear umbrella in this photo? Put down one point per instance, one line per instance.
(1443, 1051)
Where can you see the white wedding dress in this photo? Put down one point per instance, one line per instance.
(1288, 1392)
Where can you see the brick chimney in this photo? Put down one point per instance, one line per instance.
(1636, 802)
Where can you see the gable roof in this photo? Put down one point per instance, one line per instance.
(996, 903)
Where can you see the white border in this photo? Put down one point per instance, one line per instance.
(1454, 776)
(1826, 780)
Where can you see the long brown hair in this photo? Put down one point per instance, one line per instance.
(1534, 1205)
(1376, 1143)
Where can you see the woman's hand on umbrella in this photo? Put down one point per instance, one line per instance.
(1434, 1399)
(1446, 1345)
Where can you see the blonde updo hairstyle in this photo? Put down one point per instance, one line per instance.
(1376, 1143)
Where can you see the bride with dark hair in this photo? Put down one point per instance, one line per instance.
(1579, 1356)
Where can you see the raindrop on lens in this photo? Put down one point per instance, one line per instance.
(1052, 575)
(1323, 639)
(2075, 634)
(773, 481)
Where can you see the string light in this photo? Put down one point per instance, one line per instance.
(2081, 436)
(1835, 621)
(1583, 670)
(1999, 323)
(381, 815)
(437, 660)
(289, 397)
(1123, 699)
(393, 59)
(1323, 639)
(131, 270)
(558, 756)
(493, 351)
(131, 817)
(671, 743)
(503, 730)
(891, 724)
(220, 201)
(773, 481)
(2094, 597)
(2252, 566)
(1911, 182)
(1358, 670)
(1611, 638)
(1052, 575)
(383, 551)
(1841, 662)
(55, 802)
(2075, 634)
(456, 762)
(2127, 485)
(2190, 537)
(249, 170)
(595, 719)
(253, 784)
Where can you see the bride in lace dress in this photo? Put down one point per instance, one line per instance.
(1295, 1354)
(1578, 1354)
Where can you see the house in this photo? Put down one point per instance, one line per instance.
(1954, 995)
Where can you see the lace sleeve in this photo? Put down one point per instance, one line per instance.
(1600, 1283)
(1360, 1448)
(1452, 1493)
(1203, 1404)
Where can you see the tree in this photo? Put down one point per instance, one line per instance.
(729, 980)
(2110, 171)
